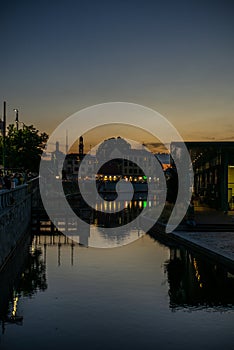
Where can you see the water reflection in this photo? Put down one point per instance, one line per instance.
(195, 282)
(101, 216)
(93, 234)
(125, 294)
(42, 241)
(24, 276)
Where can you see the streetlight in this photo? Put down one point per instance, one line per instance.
(4, 137)
(17, 118)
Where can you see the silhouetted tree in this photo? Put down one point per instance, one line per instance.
(23, 147)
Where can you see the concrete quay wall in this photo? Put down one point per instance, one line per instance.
(15, 219)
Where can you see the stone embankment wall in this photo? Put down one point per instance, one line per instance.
(15, 218)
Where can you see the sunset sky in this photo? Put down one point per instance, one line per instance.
(176, 57)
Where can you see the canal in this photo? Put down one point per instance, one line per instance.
(58, 294)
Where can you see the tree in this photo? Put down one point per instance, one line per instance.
(23, 147)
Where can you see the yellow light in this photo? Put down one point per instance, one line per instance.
(15, 302)
(197, 274)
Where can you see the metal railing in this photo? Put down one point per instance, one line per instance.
(9, 198)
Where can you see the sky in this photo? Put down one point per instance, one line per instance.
(176, 57)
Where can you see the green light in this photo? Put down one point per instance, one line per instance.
(145, 177)
(144, 204)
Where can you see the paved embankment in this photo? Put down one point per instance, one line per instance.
(218, 245)
(214, 235)
(15, 217)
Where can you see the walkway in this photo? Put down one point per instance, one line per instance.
(217, 237)
(208, 216)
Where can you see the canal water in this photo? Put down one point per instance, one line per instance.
(144, 295)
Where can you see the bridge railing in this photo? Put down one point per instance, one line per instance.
(13, 196)
(33, 184)
(16, 195)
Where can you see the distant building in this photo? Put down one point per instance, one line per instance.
(72, 161)
(117, 160)
(125, 162)
(164, 159)
(57, 160)
(81, 147)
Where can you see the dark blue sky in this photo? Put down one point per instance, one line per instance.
(176, 57)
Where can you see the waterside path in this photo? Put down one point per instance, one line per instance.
(214, 235)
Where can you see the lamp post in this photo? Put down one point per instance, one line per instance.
(4, 137)
(17, 118)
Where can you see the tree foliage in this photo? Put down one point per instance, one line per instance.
(23, 147)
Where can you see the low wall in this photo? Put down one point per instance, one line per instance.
(15, 218)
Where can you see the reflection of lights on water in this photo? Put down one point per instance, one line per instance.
(115, 206)
(105, 206)
(15, 302)
(197, 274)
